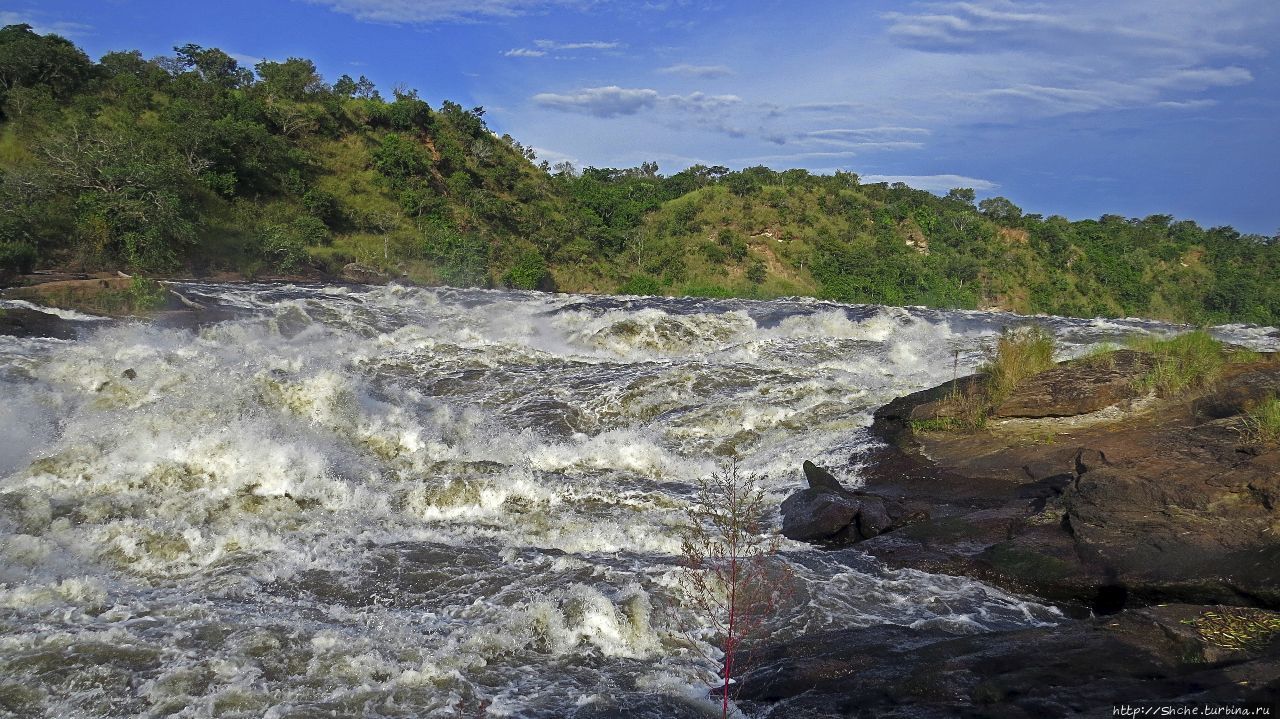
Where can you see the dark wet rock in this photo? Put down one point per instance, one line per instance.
(814, 514)
(130, 373)
(24, 322)
(827, 512)
(820, 479)
(1078, 387)
(1168, 504)
(360, 274)
(1079, 668)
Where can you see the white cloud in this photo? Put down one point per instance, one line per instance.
(1186, 105)
(58, 27)
(429, 11)
(933, 183)
(698, 102)
(588, 45)
(614, 101)
(1202, 78)
(610, 101)
(707, 71)
(524, 52)
(248, 61)
(861, 132)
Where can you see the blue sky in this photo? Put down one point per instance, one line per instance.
(1077, 108)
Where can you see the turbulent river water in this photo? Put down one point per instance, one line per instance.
(348, 501)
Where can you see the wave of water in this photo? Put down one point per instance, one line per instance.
(407, 502)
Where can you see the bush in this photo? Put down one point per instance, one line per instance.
(528, 273)
(461, 260)
(17, 257)
(144, 294)
(311, 231)
(640, 285)
(284, 247)
(322, 205)
(757, 272)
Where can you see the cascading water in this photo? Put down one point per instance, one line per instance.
(407, 502)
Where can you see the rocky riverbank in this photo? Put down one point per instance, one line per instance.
(1146, 518)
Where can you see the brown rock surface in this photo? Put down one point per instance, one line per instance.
(1078, 388)
(1166, 504)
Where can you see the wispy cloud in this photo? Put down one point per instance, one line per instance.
(843, 133)
(245, 60)
(44, 27)
(588, 45)
(610, 101)
(934, 183)
(705, 71)
(542, 48)
(430, 11)
(614, 101)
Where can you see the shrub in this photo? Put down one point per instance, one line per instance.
(733, 578)
(283, 246)
(640, 285)
(461, 260)
(144, 294)
(528, 273)
(17, 257)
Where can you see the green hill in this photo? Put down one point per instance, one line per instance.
(192, 163)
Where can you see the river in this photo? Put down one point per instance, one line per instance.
(393, 501)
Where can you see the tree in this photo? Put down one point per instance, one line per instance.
(1000, 209)
(214, 65)
(962, 195)
(294, 79)
(28, 59)
(732, 577)
(345, 87)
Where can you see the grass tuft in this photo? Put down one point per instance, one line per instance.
(1019, 355)
(1186, 362)
(1262, 421)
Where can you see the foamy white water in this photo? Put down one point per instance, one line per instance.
(409, 502)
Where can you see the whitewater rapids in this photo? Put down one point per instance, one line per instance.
(403, 502)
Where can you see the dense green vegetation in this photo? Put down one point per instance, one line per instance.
(192, 163)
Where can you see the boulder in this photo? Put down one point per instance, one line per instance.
(820, 479)
(816, 514)
(25, 322)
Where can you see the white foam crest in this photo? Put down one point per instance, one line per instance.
(916, 599)
(55, 311)
(652, 333)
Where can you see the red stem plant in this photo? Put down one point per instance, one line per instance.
(732, 579)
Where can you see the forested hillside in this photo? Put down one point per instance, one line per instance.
(194, 164)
